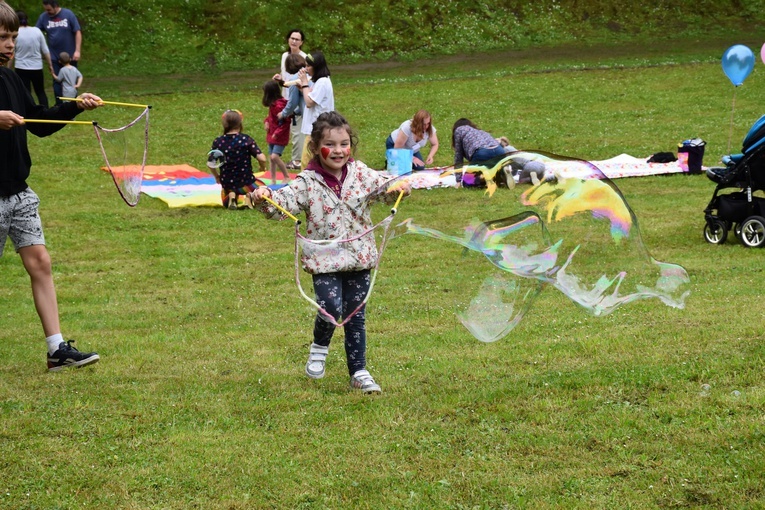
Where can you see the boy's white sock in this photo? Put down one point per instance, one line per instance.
(53, 342)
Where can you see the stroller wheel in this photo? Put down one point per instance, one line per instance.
(715, 232)
(753, 232)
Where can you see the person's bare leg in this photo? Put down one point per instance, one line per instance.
(276, 162)
(283, 167)
(272, 166)
(37, 262)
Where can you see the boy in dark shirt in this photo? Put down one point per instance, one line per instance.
(19, 218)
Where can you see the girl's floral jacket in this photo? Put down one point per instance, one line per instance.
(329, 217)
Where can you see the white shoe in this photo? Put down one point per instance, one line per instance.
(363, 381)
(317, 357)
(232, 205)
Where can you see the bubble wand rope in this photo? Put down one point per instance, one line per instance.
(386, 222)
(129, 200)
(108, 102)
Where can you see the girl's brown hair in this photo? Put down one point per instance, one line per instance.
(462, 122)
(272, 92)
(231, 120)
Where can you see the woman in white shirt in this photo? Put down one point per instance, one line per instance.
(295, 39)
(414, 134)
(319, 98)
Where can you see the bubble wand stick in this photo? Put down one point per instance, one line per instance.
(82, 122)
(398, 200)
(108, 102)
(282, 209)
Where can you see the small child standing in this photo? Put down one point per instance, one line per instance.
(236, 177)
(277, 130)
(332, 192)
(68, 76)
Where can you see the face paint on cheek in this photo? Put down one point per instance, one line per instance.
(346, 151)
(325, 152)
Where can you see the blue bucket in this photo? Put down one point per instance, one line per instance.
(399, 161)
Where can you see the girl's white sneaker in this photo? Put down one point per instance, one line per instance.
(317, 357)
(363, 381)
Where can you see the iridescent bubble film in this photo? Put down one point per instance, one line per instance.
(570, 228)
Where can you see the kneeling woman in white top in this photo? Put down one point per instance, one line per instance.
(414, 134)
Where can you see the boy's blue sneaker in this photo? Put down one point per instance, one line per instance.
(68, 356)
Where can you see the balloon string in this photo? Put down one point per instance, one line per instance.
(733, 108)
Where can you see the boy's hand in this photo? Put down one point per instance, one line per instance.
(9, 119)
(258, 195)
(89, 101)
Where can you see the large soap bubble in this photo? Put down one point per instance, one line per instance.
(571, 229)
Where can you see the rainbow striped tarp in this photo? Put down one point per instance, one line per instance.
(184, 186)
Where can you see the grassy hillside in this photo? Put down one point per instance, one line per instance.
(210, 36)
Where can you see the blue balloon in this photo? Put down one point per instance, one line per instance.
(737, 63)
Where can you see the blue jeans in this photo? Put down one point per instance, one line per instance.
(340, 294)
(484, 154)
(389, 144)
(275, 149)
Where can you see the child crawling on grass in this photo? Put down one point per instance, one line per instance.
(331, 191)
(236, 177)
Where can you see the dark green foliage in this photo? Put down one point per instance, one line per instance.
(164, 36)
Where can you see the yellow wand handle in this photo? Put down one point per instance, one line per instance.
(88, 122)
(398, 200)
(282, 209)
(108, 102)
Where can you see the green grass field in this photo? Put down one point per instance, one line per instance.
(200, 400)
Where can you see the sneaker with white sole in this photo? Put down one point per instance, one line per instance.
(67, 356)
(317, 357)
(363, 381)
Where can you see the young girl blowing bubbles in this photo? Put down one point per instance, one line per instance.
(236, 177)
(332, 191)
(277, 131)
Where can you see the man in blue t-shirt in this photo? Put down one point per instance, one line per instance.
(64, 34)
